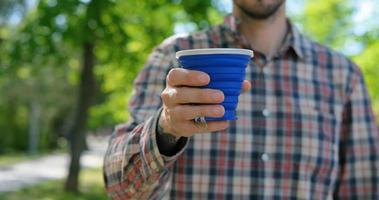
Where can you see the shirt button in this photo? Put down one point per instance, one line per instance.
(266, 112)
(265, 157)
(265, 70)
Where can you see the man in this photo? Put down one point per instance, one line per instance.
(305, 127)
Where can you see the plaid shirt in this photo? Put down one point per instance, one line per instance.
(305, 130)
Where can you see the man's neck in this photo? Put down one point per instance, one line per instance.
(265, 36)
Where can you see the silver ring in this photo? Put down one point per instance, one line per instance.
(200, 122)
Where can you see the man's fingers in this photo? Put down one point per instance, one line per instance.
(189, 112)
(184, 77)
(187, 95)
(246, 86)
(212, 126)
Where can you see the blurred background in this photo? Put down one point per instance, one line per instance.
(67, 67)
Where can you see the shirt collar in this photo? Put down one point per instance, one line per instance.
(292, 40)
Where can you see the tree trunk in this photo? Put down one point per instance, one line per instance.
(35, 113)
(77, 133)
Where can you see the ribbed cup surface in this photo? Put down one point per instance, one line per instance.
(226, 71)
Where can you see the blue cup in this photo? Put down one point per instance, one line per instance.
(226, 68)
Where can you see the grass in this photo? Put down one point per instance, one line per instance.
(92, 188)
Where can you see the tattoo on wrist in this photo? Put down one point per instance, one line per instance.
(166, 137)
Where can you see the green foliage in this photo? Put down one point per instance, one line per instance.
(13, 121)
(328, 22)
(92, 189)
(147, 26)
(40, 60)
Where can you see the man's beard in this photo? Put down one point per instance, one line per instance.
(261, 11)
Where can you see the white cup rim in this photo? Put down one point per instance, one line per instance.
(207, 51)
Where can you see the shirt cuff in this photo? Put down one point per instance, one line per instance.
(163, 161)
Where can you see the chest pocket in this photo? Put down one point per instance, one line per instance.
(317, 123)
(315, 107)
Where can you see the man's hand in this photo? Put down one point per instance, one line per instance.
(182, 102)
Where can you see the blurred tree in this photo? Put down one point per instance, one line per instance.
(43, 38)
(92, 47)
(8, 7)
(328, 22)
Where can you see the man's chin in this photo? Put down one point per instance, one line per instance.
(260, 12)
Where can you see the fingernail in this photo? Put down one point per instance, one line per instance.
(217, 111)
(203, 78)
(216, 96)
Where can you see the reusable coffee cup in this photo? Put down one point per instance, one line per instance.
(226, 68)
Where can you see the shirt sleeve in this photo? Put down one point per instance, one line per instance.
(133, 165)
(359, 147)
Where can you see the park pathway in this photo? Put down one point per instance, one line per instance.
(14, 177)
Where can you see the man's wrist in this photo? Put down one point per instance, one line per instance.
(168, 144)
(167, 137)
